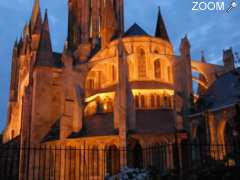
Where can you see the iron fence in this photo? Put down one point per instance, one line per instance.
(48, 162)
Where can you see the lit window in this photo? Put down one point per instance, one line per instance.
(137, 101)
(152, 101)
(142, 65)
(90, 84)
(142, 101)
(158, 101)
(157, 69)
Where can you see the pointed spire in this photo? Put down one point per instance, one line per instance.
(16, 43)
(161, 31)
(185, 46)
(36, 19)
(20, 43)
(44, 53)
(26, 31)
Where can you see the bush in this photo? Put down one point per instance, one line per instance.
(132, 174)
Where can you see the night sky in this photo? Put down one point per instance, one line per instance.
(211, 31)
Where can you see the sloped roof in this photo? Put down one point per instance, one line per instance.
(161, 31)
(54, 132)
(223, 92)
(135, 30)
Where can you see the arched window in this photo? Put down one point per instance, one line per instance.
(109, 106)
(157, 69)
(142, 64)
(142, 101)
(152, 101)
(165, 99)
(158, 101)
(137, 101)
(170, 102)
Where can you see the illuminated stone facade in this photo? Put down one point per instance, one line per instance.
(108, 87)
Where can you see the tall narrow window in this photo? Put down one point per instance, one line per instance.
(157, 69)
(90, 84)
(165, 101)
(137, 101)
(170, 102)
(142, 65)
(142, 101)
(152, 101)
(158, 101)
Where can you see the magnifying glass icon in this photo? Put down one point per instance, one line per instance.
(232, 6)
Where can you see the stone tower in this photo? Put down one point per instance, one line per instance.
(92, 24)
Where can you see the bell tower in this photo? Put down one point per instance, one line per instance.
(87, 25)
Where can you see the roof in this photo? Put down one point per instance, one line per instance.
(161, 31)
(135, 30)
(54, 133)
(224, 91)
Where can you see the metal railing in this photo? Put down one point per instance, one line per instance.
(48, 162)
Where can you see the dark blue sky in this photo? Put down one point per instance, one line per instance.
(208, 31)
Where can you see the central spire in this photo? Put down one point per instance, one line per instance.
(36, 19)
(87, 21)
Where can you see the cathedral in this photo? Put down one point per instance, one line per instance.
(111, 87)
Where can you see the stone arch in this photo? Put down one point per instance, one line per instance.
(208, 71)
(195, 69)
(224, 136)
(221, 131)
(200, 83)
